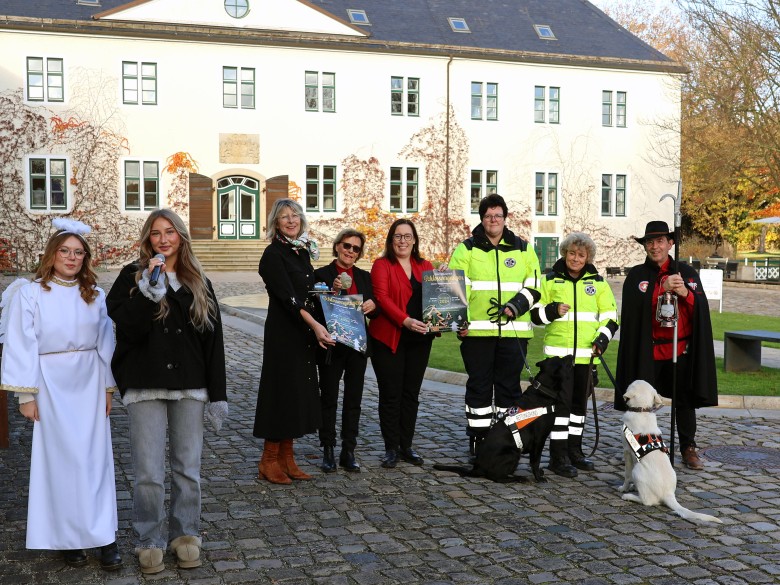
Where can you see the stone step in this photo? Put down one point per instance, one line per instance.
(229, 255)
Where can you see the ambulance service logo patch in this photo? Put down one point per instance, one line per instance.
(590, 290)
(643, 285)
(510, 262)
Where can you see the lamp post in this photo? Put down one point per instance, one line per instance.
(677, 223)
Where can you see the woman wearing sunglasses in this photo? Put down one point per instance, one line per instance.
(400, 347)
(344, 277)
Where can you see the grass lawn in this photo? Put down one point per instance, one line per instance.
(766, 382)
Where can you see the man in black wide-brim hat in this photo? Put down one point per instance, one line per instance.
(646, 348)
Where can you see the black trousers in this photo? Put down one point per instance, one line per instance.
(399, 376)
(494, 365)
(685, 415)
(574, 400)
(352, 365)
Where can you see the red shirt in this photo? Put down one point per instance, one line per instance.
(352, 290)
(665, 335)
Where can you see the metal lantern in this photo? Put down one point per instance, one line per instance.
(666, 313)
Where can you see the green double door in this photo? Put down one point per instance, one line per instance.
(547, 251)
(238, 211)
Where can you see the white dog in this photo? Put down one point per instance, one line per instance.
(647, 463)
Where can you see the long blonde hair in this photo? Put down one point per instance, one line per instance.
(189, 271)
(86, 276)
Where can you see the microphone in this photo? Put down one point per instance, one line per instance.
(156, 272)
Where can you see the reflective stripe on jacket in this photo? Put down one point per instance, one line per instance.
(593, 312)
(495, 276)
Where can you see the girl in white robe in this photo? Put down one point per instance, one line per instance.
(56, 357)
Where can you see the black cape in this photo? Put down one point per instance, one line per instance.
(635, 352)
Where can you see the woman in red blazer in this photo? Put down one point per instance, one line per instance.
(401, 347)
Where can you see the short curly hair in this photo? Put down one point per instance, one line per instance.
(579, 240)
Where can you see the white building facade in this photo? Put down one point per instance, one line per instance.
(125, 107)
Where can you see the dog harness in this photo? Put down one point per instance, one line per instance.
(641, 445)
(516, 419)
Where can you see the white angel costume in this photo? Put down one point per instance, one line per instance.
(58, 349)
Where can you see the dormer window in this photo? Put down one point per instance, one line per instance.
(237, 8)
(358, 17)
(88, 2)
(545, 32)
(459, 25)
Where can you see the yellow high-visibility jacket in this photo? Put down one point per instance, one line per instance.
(496, 276)
(591, 319)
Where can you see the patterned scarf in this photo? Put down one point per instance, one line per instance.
(302, 242)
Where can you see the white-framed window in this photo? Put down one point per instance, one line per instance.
(613, 108)
(458, 24)
(320, 188)
(358, 17)
(141, 184)
(45, 79)
(545, 32)
(237, 8)
(546, 194)
(139, 79)
(613, 195)
(483, 183)
(320, 91)
(405, 90)
(235, 80)
(547, 104)
(404, 189)
(47, 181)
(484, 101)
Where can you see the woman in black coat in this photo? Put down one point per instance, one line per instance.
(288, 402)
(342, 360)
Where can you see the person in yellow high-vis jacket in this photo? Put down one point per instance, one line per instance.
(502, 276)
(578, 311)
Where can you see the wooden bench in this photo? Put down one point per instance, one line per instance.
(742, 349)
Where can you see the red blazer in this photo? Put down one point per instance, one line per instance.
(392, 291)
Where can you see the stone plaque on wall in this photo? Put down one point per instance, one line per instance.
(546, 227)
(239, 149)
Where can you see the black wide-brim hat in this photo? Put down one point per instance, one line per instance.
(655, 229)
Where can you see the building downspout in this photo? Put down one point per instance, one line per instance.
(447, 160)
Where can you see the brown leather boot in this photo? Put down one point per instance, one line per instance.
(691, 458)
(287, 461)
(269, 465)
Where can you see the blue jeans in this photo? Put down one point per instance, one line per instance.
(149, 420)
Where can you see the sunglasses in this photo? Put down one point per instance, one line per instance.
(356, 249)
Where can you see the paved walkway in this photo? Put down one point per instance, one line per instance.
(414, 525)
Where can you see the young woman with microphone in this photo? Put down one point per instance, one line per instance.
(169, 365)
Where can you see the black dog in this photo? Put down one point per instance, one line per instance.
(512, 435)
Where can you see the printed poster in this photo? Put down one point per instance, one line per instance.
(344, 320)
(444, 300)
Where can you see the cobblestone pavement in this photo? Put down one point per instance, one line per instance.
(416, 525)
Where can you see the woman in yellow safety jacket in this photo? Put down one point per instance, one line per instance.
(578, 311)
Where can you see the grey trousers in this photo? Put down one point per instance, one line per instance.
(150, 422)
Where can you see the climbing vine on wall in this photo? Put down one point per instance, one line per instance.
(441, 226)
(439, 221)
(363, 188)
(180, 165)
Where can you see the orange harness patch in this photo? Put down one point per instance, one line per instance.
(641, 445)
(517, 419)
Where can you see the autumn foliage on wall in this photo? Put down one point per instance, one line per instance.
(180, 165)
(92, 145)
(439, 222)
(362, 188)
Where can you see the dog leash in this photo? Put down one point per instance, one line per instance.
(595, 409)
